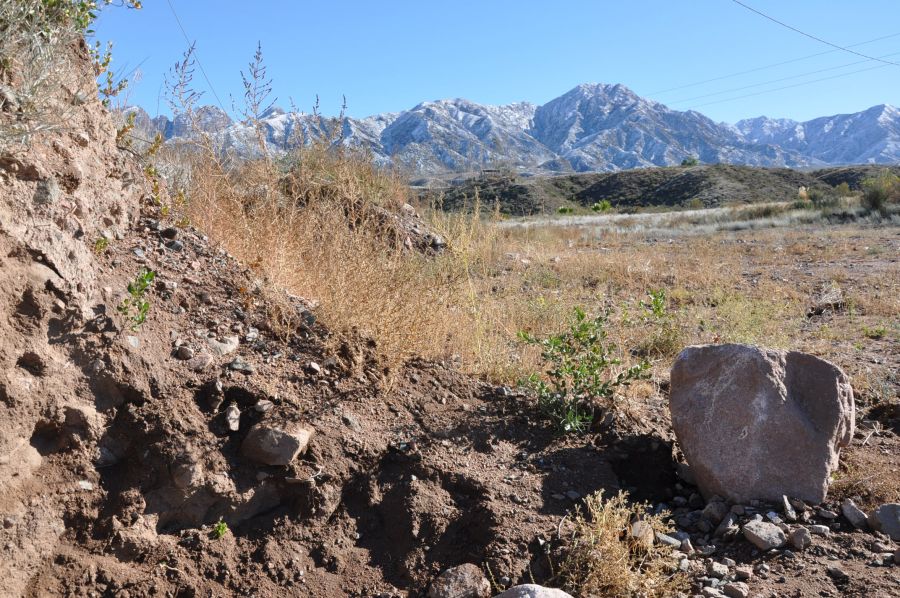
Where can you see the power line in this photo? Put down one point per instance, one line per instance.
(818, 39)
(768, 66)
(196, 57)
(816, 72)
(750, 95)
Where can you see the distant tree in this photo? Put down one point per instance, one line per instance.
(692, 161)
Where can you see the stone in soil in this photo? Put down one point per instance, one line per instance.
(886, 519)
(758, 423)
(272, 444)
(854, 514)
(764, 536)
(736, 589)
(530, 590)
(464, 581)
(800, 538)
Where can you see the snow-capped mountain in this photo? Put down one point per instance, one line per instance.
(593, 127)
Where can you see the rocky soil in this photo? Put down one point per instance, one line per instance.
(232, 445)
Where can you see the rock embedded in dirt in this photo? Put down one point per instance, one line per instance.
(737, 589)
(763, 535)
(226, 345)
(819, 530)
(788, 509)
(464, 581)
(275, 444)
(886, 519)
(758, 423)
(184, 353)
(530, 590)
(238, 364)
(233, 417)
(800, 538)
(715, 512)
(642, 534)
(854, 514)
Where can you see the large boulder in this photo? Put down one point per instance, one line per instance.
(758, 423)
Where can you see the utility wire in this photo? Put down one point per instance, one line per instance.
(750, 95)
(196, 57)
(816, 72)
(810, 36)
(768, 66)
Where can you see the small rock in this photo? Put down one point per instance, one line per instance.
(85, 485)
(184, 353)
(47, 192)
(228, 344)
(743, 573)
(717, 570)
(169, 232)
(239, 365)
(800, 538)
(711, 592)
(642, 534)
(572, 495)
(200, 362)
(736, 589)
(789, 513)
(464, 581)
(314, 368)
(854, 514)
(233, 417)
(715, 512)
(826, 514)
(837, 573)
(133, 341)
(272, 444)
(174, 245)
(263, 406)
(886, 519)
(764, 536)
(819, 530)
(729, 525)
(530, 590)
(667, 540)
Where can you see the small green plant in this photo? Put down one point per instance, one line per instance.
(665, 337)
(564, 210)
(581, 372)
(101, 245)
(136, 306)
(692, 161)
(220, 529)
(875, 332)
(604, 205)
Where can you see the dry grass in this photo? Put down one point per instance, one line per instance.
(604, 558)
(306, 225)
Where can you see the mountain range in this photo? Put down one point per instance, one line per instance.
(593, 127)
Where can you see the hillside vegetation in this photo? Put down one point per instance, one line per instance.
(671, 187)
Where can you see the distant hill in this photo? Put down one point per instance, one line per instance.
(591, 128)
(706, 185)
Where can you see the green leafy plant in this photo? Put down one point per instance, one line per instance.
(603, 205)
(220, 529)
(665, 336)
(101, 245)
(875, 332)
(136, 306)
(692, 161)
(564, 210)
(582, 372)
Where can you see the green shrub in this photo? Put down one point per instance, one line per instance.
(604, 205)
(220, 529)
(880, 190)
(135, 306)
(564, 210)
(581, 374)
(692, 161)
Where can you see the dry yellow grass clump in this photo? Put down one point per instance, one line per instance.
(611, 552)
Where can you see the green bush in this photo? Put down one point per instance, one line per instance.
(880, 190)
(604, 205)
(582, 372)
(665, 338)
(692, 161)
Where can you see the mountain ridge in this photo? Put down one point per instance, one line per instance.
(593, 127)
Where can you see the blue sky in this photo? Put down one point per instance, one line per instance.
(388, 55)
